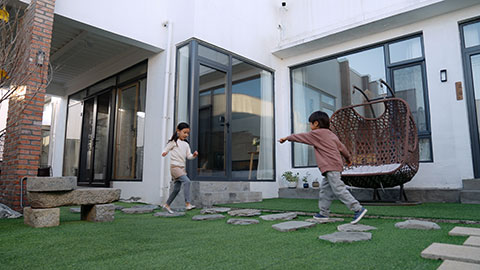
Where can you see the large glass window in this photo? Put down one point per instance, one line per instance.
(231, 101)
(105, 129)
(128, 159)
(333, 83)
(252, 122)
(74, 131)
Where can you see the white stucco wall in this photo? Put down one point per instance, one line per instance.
(249, 28)
(449, 122)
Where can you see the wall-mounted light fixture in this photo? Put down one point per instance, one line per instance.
(443, 75)
(40, 58)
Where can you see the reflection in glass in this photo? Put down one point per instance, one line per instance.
(328, 86)
(101, 137)
(252, 122)
(72, 138)
(211, 122)
(213, 55)
(408, 85)
(425, 149)
(475, 62)
(471, 34)
(405, 50)
(182, 96)
(129, 133)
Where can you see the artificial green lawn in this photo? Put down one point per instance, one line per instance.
(454, 211)
(142, 241)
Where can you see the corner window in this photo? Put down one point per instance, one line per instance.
(230, 102)
(329, 84)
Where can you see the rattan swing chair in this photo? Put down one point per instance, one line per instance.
(383, 143)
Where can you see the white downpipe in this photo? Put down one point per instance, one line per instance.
(164, 188)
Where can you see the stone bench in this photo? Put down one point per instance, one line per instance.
(46, 194)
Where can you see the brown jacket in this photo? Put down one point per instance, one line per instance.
(328, 148)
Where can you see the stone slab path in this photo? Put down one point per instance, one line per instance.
(137, 210)
(208, 217)
(242, 221)
(245, 212)
(454, 265)
(452, 252)
(292, 226)
(281, 216)
(417, 225)
(464, 231)
(215, 210)
(330, 220)
(473, 241)
(166, 214)
(354, 228)
(346, 237)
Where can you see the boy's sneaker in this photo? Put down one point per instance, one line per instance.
(320, 217)
(358, 215)
(167, 208)
(190, 206)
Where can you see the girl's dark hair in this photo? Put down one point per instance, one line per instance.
(322, 119)
(180, 126)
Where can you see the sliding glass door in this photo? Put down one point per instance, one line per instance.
(232, 117)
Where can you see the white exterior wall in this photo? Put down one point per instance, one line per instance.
(249, 28)
(449, 122)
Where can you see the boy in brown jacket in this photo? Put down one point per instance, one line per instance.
(328, 153)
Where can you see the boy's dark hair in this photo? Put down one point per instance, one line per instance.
(180, 126)
(322, 119)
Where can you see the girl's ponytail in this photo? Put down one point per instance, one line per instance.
(180, 126)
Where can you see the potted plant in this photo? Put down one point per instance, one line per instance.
(305, 180)
(291, 178)
(315, 183)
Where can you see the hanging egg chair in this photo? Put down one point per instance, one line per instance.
(382, 137)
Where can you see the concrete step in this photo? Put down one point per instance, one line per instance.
(464, 231)
(207, 199)
(439, 251)
(471, 184)
(220, 186)
(470, 196)
(454, 265)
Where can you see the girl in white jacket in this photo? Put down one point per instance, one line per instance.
(180, 152)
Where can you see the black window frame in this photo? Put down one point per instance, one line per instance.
(85, 94)
(195, 60)
(389, 68)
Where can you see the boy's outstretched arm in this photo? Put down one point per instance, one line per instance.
(305, 138)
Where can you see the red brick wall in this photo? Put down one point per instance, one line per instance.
(24, 123)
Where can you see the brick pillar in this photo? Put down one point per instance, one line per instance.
(22, 148)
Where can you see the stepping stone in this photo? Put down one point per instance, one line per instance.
(214, 210)
(346, 237)
(75, 210)
(166, 214)
(242, 221)
(292, 226)
(440, 251)
(330, 220)
(208, 217)
(417, 225)
(7, 212)
(282, 216)
(454, 265)
(137, 210)
(355, 228)
(473, 241)
(464, 231)
(148, 206)
(245, 212)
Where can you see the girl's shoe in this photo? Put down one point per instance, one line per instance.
(190, 206)
(167, 208)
